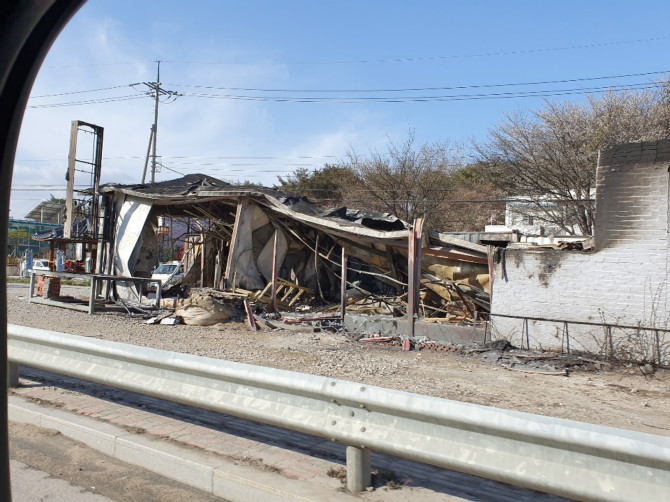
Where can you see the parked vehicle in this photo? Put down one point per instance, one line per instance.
(41, 265)
(170, 274)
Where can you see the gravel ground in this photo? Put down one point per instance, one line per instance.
(623, 397)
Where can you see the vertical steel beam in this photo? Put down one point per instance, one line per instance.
(202, 260)
(273, 297)
(343, 285)
(359, 471)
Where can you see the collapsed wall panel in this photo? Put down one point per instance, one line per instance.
(242, 270)
(132, 214)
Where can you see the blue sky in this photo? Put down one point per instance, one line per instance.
(308, 50)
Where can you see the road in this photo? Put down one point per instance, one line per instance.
(47, 466)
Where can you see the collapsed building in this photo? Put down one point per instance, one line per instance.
(242, 238)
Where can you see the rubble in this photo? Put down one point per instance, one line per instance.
(205, 308)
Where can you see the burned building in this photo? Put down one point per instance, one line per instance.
(240, 237)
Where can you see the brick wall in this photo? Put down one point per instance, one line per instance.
(622, 282)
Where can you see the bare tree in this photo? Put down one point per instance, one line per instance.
(548, 157)
(405, 181)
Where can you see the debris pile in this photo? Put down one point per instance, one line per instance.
(205, 307)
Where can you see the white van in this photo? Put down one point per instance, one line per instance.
(170, 274)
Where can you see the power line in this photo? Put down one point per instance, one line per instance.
(225, 157)
(88, 102)
(408, 89)
(80, 92)
(419, 99)
(439, 58)
(384, 99)
(386, 60)
(446, 88)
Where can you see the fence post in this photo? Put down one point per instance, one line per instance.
(359, 472)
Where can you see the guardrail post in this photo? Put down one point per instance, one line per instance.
(359, 472)
(12, 374)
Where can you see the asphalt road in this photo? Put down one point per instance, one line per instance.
(47, 466)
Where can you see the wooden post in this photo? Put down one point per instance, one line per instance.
(343, 285)
(418, 239)
(273, 298)
(230, 265)
(410, 283)
(413, 273)
(69, 196)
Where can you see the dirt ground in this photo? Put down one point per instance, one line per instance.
(623, 397)
(51, 452)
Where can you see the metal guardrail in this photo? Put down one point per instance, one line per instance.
(566, 458)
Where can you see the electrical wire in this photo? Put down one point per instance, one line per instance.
(88, 102)
(381, 99)
(446, 88)
(431, 99)
(79, 92)
(439, 58)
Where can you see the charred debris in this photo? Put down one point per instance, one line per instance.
(278, 259)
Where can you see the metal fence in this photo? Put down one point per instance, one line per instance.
(566, 458)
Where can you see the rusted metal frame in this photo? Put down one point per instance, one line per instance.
(233, 244)
(585, 323)
(250, 314)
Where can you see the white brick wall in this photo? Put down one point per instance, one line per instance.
(623, 282)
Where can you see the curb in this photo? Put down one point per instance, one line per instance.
(202, 470)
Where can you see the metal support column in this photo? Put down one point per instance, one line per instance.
(359, 471)
(343, 285)
(273, 301)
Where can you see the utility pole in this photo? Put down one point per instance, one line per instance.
(156, 91)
